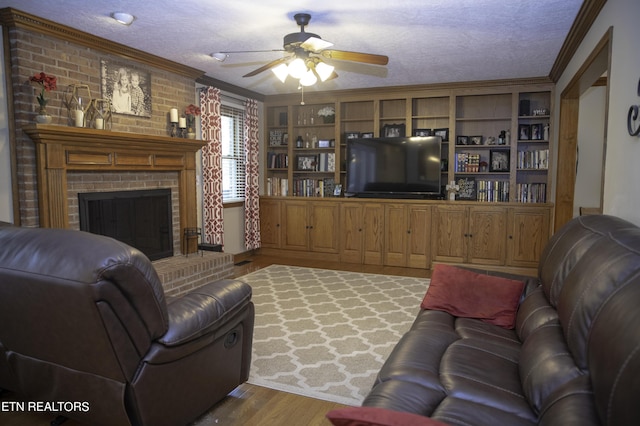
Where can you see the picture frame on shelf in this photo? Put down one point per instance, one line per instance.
(443, 133)
(524, 132)
(306, 163)
(275, 137)
(467, 189)
(498, 160)
(367, 135)
(337, 190)
(285, 139)
(475, 140)
(536, 132)
(393, 130)
(352, 135)
(462, 140)
(422, 132)
(323, 143)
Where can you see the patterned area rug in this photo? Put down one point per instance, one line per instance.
(325, 334)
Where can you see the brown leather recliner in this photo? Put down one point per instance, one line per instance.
(83, 320)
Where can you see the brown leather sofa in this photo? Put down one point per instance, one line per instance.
(84, 327)
(572, 359)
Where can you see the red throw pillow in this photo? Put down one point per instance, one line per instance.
(374, 416)
(468, 294)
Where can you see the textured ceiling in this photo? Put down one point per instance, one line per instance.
(427, 41)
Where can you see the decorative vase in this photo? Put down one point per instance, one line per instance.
(328, 119)
(190, 133)
(43, 117)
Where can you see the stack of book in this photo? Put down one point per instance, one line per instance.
(538, 159)
(305, 187)
(531, 192)
(277, 187)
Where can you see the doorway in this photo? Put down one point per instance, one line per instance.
(593, 72)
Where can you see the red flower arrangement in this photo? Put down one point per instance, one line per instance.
(191, 112)
(47, 83)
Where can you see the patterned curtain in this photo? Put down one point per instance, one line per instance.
(212, 166)
(251, 201)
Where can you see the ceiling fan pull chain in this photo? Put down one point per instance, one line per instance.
(301, 87)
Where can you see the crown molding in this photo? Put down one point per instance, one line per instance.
(14, 18)
(581, 25)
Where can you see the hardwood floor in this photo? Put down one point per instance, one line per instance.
(250, 405)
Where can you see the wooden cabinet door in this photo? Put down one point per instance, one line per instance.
(324, 227)
(295, 225)
(487, 235)
(396, 235)
(528, 233)
(373, 239)
(449, 233)
(352, 235)
(418, 250)
(270, 223)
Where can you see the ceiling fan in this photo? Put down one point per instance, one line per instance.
(305, 54)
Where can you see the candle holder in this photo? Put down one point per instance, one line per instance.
(77, 99)
(173, 120)
(99, 114)
(182, 124)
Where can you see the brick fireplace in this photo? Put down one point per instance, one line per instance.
(72, 160)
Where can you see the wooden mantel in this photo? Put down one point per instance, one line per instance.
(60, 149)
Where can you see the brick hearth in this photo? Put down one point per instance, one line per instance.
(179, 274)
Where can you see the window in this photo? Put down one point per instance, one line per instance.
(233, 156)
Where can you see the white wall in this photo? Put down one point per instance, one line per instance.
(622, 167)
(590, 149)
(6, 199)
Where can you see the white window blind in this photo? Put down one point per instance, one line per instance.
(233, 157)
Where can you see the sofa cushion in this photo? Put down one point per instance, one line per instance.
(469, 294)
(374, 416)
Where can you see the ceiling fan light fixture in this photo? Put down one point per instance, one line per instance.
(324, 70)
(308, 79)
(297, 68)
(281, 71)
(123, 17)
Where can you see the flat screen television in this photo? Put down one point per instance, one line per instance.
(399, 167)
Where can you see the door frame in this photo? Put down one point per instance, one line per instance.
(597, 65)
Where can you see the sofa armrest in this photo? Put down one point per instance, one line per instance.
(203, 310)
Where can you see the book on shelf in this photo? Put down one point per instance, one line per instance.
(277, 187)
(493, 191)
(277, 160)
(307, 187)
(536, 159)
(531, 192)
(467, 162)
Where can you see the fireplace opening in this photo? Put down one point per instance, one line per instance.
(140, 218)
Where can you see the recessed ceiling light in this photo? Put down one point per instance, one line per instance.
(123, 17)
(221, 56)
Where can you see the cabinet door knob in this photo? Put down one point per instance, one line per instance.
(511, 237)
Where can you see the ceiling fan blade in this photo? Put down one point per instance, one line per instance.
(267, 66)
(367, 58)
(315, 44)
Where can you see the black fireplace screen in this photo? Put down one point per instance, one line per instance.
(141, 218)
